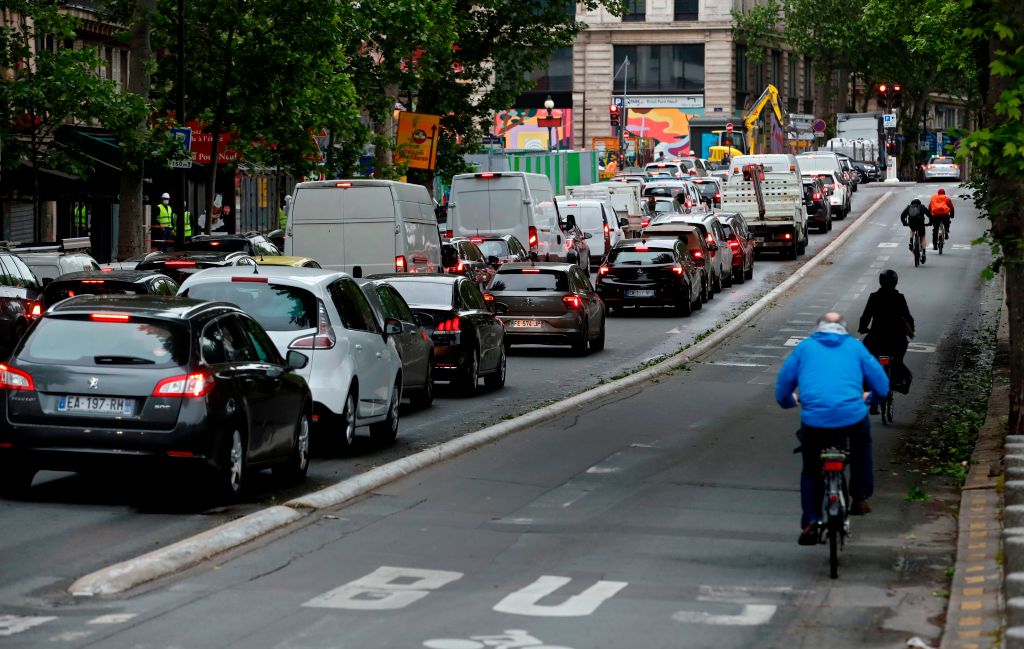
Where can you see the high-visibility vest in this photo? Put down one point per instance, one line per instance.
(282, 218)
(165, 216)
(81, 216)
(188, 224)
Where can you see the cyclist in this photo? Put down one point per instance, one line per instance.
(887, 322)
(941, 209)
(916, 217)
(830, 369)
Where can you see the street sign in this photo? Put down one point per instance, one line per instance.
(818, 126)
(819, 134)
(728, 127)
(185, 135)
(889, 120)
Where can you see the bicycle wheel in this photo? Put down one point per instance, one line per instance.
(884, 411)
(833, 550)
(889, 407)
(917, 251)
(942, 240)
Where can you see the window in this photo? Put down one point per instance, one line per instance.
(636, 11)
(686, 9)
(401, 307)
(211, 345)
(741, 68)
(237, 347)
(777, 69)
(471, 296)
(352, 306)
(558, 73)
(21, 274)
(260, 341)
(808, 84)
(276, 307)
(387, 302)
(140, 343)
(791, 81)
(661, 68)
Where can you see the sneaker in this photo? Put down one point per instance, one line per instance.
(860, 507)
(809, 536)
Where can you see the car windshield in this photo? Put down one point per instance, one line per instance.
(662, 191)
(432, 293)
(276, 307)
(83, 341)
(525, 279)
(216, 245)
(641, 256)
(494, 248)
(58, 291)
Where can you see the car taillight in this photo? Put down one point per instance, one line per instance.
(448, 234)
(930, 167)
(572, 301)
(688, 204)
(532, 237)
(954, 166)
(488, 297)
(197, 384)
(883, 361)
(734, 244)
(448, 326)
(607, 230)
(251, 279)
(324, 337)
(787, 236)
(569, 244)
(180, 263)
(399, 264)
(718, 196)
(94, 281)
(678, 269)
(37, 309)
(710, 238)
(477, 239)
(645, 221)
(603, 270)
(12, 379)
(816, 196)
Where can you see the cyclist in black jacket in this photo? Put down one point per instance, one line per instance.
(917, 217)
(887, 322)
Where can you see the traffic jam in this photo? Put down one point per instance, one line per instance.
(252, 351)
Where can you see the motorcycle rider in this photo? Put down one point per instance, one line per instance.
(917, 217)
(830, 369)
(941, 209)
(887, 322)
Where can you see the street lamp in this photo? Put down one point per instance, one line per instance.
(549, 104)
(550, 122)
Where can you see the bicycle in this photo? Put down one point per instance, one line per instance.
(835, 511)
(940, 237)
(886, 408)
(915, 246)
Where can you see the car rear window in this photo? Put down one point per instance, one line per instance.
(706, 188)
(522, 279)
(58, 291)
(83, 341)
(276, 307)
(217, 245)
(494, 248)
(425, 293)
(639, 256)
(662, 191)
(943, 161)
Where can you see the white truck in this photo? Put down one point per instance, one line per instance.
(624, 197)
(771, 199)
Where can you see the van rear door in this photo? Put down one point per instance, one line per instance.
(490, 204)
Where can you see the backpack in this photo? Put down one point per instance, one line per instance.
(938, 206)
(915, 216)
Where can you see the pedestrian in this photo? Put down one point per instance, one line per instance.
(81, 213)
(282, 216)
(164, 233)
(828, 371)
(216, 224)
(661, 156)
(227, 218)
(188, 223)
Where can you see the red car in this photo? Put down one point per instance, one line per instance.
(739, 240)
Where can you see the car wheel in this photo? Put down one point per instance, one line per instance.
(727, 278)
(232, 473)
(709, 292)
(15, 481)
(342, 441)
(597, 344)
(469, 377)
(749, 274)
(496, 380)
(579, 345)
(717, 286)
(828, 224)
(423, 397)
(684, 306)
(737, 275)
(293, 471)
(385, 432)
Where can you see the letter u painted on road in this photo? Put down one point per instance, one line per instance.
(385, 589)
(524, 601)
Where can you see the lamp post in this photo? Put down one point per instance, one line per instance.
(551, 123)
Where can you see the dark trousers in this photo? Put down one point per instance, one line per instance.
(936, 222)
(856, 438)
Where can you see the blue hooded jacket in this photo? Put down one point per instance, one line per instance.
(830, 371)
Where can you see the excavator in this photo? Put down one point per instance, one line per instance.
(767, 135)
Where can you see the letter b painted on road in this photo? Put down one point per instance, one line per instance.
(385, 589)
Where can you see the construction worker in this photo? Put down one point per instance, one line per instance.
(188, 223)
(164, 232)
(81, 214)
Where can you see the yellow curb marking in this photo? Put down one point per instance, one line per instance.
(970, 621)
(977, 546)
(973, 592)
(970, 645)
(978, 535)
(975, 568)
(978, 526)
(974, 580)
(965, 635)
(970, 606)
(977, 557)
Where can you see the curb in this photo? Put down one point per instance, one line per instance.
(184, 554)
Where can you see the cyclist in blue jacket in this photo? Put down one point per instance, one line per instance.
(829, 370)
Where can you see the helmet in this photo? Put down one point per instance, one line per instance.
(888, 279)
(916, 201)
(165, 195)
(942, 192)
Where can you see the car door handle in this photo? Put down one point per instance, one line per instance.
(379, 355)
(358, 348)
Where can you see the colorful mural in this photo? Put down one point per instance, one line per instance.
(669, 128)
(519, 128)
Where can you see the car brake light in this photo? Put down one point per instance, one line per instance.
(12, 379)
(215, 243)
(531, 270)
(253, 279)
(883, 361)
(678, 269)
(399, 264)
(533, 237)
(607, 230)
(833, 466)
(817, 196)
(710, 238)
(477, 239)
(954, 166)
(344, 185)
(488, 297)
(603, 270)
(787, 236)
(718, 196)
(734, 244)
(572, 301)
(641, 248)
(324, 337)
(106, 270)
(181, 263)
(488, 175)
(645, 221)
(94, 281)
(110, 317)
(448, 234)
(931, 167)
(37, 309)
(197, 384)
(448, 326)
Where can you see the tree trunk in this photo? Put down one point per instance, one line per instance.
(216, 128)
(132, 222)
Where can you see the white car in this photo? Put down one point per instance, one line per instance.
(596, 218)
(839, 199)
(354, 371)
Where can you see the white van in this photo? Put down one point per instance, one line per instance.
(597, 218)
(778, 163)
(507, 202)
(362, 227)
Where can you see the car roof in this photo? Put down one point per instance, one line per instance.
(154, 306)
(646, 241)
(281, 260)
(200, 255)
(543, 265)
(119, 275)
(295, 276)
(434, 278)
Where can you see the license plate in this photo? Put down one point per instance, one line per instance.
(98, 405)
(526, 324)
(640, 293)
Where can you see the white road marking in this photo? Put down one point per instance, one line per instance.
(751, 615)
(883, 257)
(888, 244)
(524, 601)
(921, 348)
(510, 639)
(746, 594)
(70, 636)
(731, 364)
(603, 469)
(12, 624)
(113, 618)
(674, 330)
(962, 246)
(793, 341)
(378, 591)
(792, 329)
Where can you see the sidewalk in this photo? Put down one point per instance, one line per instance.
(975, 617)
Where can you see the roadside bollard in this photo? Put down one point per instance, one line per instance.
(1015, 611)
(1014, 585)
(1014, 459)
(1015, 637)
(1013, 516)
(1014, 492)
(1013, 551)
(1015, 472)
(1013, 439)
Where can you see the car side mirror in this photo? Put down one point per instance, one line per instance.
(392, 327)
(712, 247)
(493, 261)
(296, 360)
(534, 256)
(499, 308)
(423, 319)
(587, 235)
(623, 223)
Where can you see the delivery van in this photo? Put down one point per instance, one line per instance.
(363, 227)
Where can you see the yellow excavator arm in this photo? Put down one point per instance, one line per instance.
(770, 96)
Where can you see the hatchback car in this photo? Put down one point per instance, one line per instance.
(940, 167)
(282, 260)
(107, 282)
(113, 381)
(354, 371)
(819, 213)
(415, 347)
(741, 243)
(650, 272)
(460, 256)
(710, 190)
(696, 245)
(19, 293)
(469, 340)
(548, 304)
(711, 229)
(868, 171)
(501, 250)
(253, 244)
(839, 199)
(179, 266)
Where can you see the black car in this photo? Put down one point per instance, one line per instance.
(650, 272)
(469, 340)
(415, 347)
(179, 265)
(108, 382)
(19, 292)
(108, 282)
(819, 214)
(253, 244)
(868, 171)
(501, 250)
(460, 256)
(710, 191)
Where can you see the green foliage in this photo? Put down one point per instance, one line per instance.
(916, 494)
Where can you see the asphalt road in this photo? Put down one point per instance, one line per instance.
(75, 524)
(664, 517)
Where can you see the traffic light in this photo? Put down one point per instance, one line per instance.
(897, 95)
(883, 94)
(614, 116)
